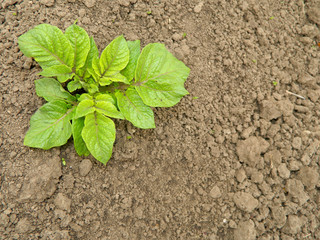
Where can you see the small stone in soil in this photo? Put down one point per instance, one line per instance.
(279, 215)
(314, 14)
(62, 202)
(249, 150)
(85, 167)
(293, 225)
(245, 231)
(283, 171)
(89, 3)
(296, 143)
(241, 175)
(309, 177)
(245, 201)
(296, 189)
(198, 7)
(48, 3)
(23, 226)
(215, 192)
(68, 181)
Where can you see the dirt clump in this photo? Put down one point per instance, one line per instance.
(238, 158)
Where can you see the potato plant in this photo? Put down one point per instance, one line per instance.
(85, 90)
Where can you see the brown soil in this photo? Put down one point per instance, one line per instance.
(240, 162)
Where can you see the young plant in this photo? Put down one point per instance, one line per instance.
(84, 90)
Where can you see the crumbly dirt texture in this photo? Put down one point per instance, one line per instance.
(238, 158)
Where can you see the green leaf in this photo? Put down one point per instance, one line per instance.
(80, 43)
(51, 90)
(47, 45)
(85, 96)
(104, 103)
(65, 77)
(117, 77)
(79, 144)
(56, 70)
(93, 72)
(134, 110)
(161, 95)
(105, 97)
(91, 86)
(134, 49)
(74, 85)
(50, 126)
(160, 77)
(84, 107)
(99, 135)
(114, 58)
(93, 54)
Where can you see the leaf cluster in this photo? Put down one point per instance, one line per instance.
(84, 90)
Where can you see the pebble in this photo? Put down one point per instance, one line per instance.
(272, 109)
(126, 203)
(268, 110)
(273, 130)
(85, 167)
(41, 181)
(8, 3)
(246, 133)
(62, 202)
(23, 226)
(314, 14)
(27, 64)
(57, 234)
(68, 181)
(215, 192)
(279, 215)
(89, 3)
(296, 189)
(283, 171)
(124, 3)
(309, 177)
(12, 154)
(4, 220)
(48, 3)
(249, 150)
(198, 7)
(257, 177)
(185, 49)
(311, 149)
(82, 12)
(138, 211)
(241, 175)
(13, 218)
(232, 224)
(294, 165)
(310, 30)
(314, 95)
(293, 225)
(306, 159)
(307, 79)
(177, 37)
(313, 67)
(200, 190)
(296, 143)
(245, 231)
(273, 158)
(245, 201)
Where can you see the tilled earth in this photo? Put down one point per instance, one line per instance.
(238, 158)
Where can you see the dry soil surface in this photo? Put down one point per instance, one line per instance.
(238, 158)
